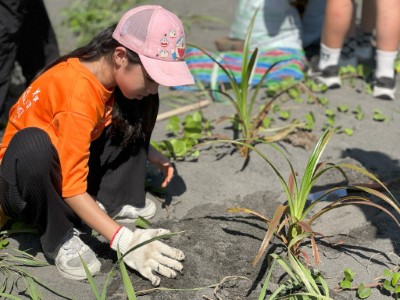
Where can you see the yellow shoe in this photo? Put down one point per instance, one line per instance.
(3, 218)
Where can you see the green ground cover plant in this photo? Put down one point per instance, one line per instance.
(389, 282)
(184, 135)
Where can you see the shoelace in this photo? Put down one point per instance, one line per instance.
(73, 244)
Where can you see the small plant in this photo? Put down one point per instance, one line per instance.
(302, 283)
(185, 134)
(363, 292)
(241, 99)
(358, 113)
(391, 282)
(346, 282)
(310, 121)
(343, 108)
(292, 222)
(379, 116)
(13, 272)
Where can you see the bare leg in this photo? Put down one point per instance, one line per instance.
(338, 17)
(387, 24)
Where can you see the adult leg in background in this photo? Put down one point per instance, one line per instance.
(11, 17)
(338, 18)
(387, 42)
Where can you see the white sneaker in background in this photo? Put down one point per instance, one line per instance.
(129, 213)
(384, 88)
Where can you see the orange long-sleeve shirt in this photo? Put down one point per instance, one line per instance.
(73, 107)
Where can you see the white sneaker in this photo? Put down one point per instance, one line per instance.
(129, 213)
(384, 88)
(328, 76)
(68, 262)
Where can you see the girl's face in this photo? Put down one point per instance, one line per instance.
(133, 80)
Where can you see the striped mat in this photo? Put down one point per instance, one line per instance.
(290, 64)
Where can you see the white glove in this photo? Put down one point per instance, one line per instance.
(155, 256)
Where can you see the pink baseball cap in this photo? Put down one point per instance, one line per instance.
(157, 36)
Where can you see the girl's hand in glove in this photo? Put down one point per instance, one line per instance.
(155, 256)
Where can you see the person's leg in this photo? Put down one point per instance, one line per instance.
(387, 42)
(8, 50)
(30, 191)
(338, 17)
(117, 179)
(31, 187)
(12, 14)
(37, 39)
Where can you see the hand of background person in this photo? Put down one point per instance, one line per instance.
(153, 257)
(160, 161)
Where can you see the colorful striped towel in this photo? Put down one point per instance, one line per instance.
(290, 64)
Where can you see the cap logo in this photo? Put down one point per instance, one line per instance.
(171, 45)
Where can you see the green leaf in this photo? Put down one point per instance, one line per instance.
(130, 291)
(310, 121)
(388, 286)
(284, 115)
(197, 116)
(173, 125)
(179, 148)
(142, 223)
(387, 273)
(378, 116)
(345, 284)
(294, 93)
(363, 292)
(323, 101)
(395, 278)
(3, 243)
(348, 131)
(329, 112)
(349, 274)
(330, 120)
(343, 108)
(192, 129)
(267, 122)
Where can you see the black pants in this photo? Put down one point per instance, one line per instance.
(30, 183)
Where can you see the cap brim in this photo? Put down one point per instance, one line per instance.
(167, 73)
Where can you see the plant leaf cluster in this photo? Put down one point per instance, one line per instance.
(244, 94)
(184, 136)
(292, 222)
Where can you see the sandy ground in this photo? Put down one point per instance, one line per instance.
(220, 246)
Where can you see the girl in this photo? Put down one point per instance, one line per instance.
(81, 132)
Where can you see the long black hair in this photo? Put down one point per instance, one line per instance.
(132, 121)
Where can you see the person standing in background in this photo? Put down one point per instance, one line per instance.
(337, 22)
(26, 37)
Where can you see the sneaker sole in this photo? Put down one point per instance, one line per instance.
(383, 93)
(148, 213)
(330, 82)
(79, 274)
